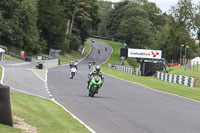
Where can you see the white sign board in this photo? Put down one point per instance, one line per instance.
(143, 53)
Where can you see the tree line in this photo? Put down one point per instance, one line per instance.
(38, 25)
(141, 24)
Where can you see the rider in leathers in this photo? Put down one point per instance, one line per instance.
(96, 72)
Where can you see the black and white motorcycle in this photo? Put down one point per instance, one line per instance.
(89, 64)
(73, 71)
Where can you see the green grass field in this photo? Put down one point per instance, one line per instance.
(8, 129)
(8, 57)
(65, 59)
(181, 71)
(151, 82)
(115, 58)
(45, 115)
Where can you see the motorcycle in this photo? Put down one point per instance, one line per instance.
(105, 48)
(72, 72)
(94, 62)
(89, 65)
(94, 85)
(92, 41)
(98, 51)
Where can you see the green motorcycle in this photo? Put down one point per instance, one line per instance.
(94, 85)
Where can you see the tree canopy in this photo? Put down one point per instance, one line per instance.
(38, 25)
(141, 24)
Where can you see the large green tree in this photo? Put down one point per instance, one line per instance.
(82, 17)
(104, 8)
(137, 33)
(28, 18)
(52, 24)
(18, 25)
(11, 32)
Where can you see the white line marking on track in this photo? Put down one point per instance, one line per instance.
(83, 57)
(90, 129)
(155, 89)
(87, 53)
(28, 93)
(53, 100)
(37, 75)
(18, 64)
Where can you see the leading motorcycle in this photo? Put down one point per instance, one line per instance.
(94, 85)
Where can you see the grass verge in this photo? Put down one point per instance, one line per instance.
(8, 129)
(8, 57)
(152, 82)
(44, 114)
(41, 73)
(65, 59)
(181, 71)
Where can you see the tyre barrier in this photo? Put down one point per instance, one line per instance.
(179, 79)
(127, 69)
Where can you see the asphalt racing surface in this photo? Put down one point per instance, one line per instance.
(19, 77)
(120, 106)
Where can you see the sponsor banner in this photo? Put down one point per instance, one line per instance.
(143, 53)
(173, 64)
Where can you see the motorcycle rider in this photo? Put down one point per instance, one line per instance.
(93, 61)
(96, 72)
(89, 64)
(71, 64)
(76, 64)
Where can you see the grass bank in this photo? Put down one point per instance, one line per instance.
(45, 115)
(152, 82)
(181, 71)
(65, 59)
(8, 57)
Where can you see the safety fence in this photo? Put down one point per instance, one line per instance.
(180, 79)
(127, 69)
(26, 58)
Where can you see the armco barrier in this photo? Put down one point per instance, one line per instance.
(50, 63)
(180, 79)
(127, 69)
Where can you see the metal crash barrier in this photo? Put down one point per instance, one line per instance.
(127, 69)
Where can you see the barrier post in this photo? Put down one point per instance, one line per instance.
(5, 107)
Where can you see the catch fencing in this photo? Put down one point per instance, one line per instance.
(127, 69)
(180, 79)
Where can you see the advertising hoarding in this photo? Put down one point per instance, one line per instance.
(143, 53)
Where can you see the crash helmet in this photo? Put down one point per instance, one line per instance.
(98, 68)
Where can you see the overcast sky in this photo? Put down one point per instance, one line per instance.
(164, 5)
